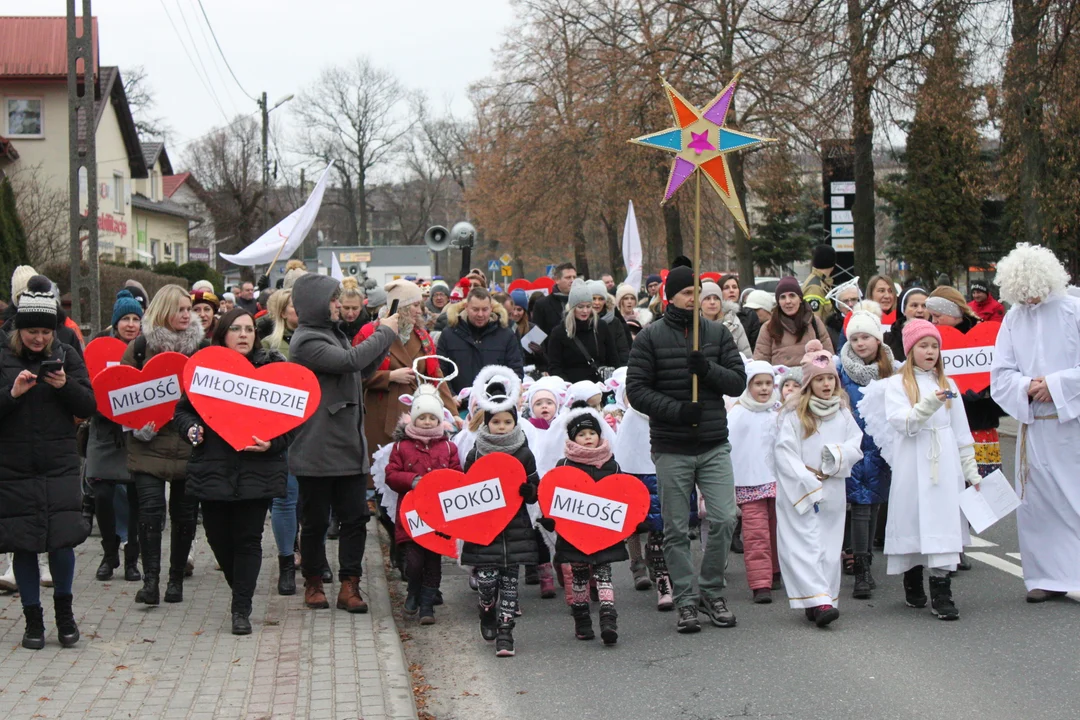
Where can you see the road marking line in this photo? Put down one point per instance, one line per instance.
(1001, 564)
(977, 541)
(1014, 556)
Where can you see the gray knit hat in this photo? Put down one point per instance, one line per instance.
(579, 293)
(376, 298)
(597, 288)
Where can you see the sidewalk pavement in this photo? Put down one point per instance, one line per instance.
(181, 661)
(1008, 427)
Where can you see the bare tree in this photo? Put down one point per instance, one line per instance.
(143, 102)
(352, 115)
(43, 210)
(227, 163)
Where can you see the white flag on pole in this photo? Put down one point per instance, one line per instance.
(335, 268)
(631, 249)
(290, 232)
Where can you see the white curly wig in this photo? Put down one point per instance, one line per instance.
(1030, 271)
(496, 389)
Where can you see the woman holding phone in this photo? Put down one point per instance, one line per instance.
(43, 388)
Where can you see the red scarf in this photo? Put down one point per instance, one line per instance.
(427, 347)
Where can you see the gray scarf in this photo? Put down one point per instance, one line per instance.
(824, 409)
(486, 443)
(862, 373)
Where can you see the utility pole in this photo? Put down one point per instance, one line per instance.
(265, 161)
(82, 162)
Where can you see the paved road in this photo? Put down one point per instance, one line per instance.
(1004, 658)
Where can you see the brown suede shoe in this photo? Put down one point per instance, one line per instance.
(1040, 596)
(314, 597)
(348, 598)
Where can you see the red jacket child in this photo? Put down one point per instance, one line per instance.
(412, 458)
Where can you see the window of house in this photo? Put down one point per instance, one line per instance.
(169, 250)
(153, 185)
(24, 117)
(155, 251)
(118, 192)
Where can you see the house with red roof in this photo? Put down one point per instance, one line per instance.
(136, 220)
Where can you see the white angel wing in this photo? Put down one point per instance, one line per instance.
(380, 460)
(872, 410)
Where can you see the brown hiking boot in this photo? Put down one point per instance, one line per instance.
(314, 597)
(348, 598)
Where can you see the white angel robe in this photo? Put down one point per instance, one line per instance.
(632, 448)
(925, 525)
(811, 541)
(753, 438)
(1044, 341)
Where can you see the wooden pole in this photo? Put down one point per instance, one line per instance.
(274, 261)
(697, 274)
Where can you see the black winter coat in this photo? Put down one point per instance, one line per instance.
(516, 545)
(567, 553)
(473, 349)
(40, 487)
(658, 382)
(620, 337)
(217, 472)
(548, 312)
(751, 324)
(566, 361)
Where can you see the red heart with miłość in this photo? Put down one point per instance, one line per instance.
(590, 515)
(421, 533)
(241, 402)
(134, 397)
(475, 506)
(102, 353)
(967, 357)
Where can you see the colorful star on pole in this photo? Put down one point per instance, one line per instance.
(700, 141)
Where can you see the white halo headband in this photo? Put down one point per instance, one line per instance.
(434, 380)
(834, 294)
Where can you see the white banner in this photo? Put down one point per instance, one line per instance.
(249, 393)
(588, 509)
(290, 232)
(335, 268)
(631, 249)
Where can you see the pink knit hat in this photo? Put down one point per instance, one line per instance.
(916, 330)
(816, 361)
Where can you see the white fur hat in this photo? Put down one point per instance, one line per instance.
(864, 322)
(551, 384)
(496, 389)
(426, 401)
(758, 367)
(760, 300)
(1030, 271)
(583, 390)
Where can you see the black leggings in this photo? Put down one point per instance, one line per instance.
(863, 527)
(104, 497)
(234, 531)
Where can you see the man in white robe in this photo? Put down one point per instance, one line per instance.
(1035, 378)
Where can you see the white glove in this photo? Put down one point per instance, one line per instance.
(830, 460)
(146, 433)
(970, 466)
(924, 410)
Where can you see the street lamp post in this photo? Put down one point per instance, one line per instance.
(266, 110)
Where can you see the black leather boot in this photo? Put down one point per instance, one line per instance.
(941, 602)
(183, 534)
(66, 629)
(862, 577)
(286, 575)
(34, 636)
(427, 605)
(150, 546)
(583, 629)
(111, 561)
(609, 626)
(131, 562)
(914, 590)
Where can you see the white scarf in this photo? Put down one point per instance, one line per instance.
(753, 405)
(824, 409)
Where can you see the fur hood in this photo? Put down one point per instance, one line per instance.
(455, 311)
(161, 339)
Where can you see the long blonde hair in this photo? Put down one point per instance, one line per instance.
(276, 307)
(800, 405)
(165, 304)
(911, 384)
(571, 322)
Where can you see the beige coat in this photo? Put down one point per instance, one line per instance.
(790, 350)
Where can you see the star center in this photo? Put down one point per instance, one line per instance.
(699, 142)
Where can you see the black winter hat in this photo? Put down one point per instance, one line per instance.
(824, 257)
(682, 261)
(980, 285)
(497, 390)
(36, 310)
(582, 421)
(680, 278)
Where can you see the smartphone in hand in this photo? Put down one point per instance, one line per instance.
(49, 366)
(393, 308)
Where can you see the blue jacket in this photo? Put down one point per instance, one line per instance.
(870, 478)
(654, 520)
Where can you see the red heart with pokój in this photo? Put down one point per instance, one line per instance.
(967, 357)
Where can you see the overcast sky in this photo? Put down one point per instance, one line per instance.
(279, 46)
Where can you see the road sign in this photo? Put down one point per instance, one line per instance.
(506, 259)
(507, 271)
(550, 270)
(493, 265)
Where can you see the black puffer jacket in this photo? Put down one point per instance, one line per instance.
(516, 545)
(658, 382)
(473, 348)
(567, 553)
(40, 488)
(620, 337)
(751, 324)
(217, 472)
(566, 361)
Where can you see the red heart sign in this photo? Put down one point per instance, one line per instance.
(422, 533)
(967, 358)
(475, 506)
(240, 401)
(103, 353)
(133, 397)
(593, 516)
(542, 284)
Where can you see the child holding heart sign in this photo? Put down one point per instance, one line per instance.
(496, 391)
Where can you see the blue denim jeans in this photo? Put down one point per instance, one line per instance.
(27, 577)
(283, 517)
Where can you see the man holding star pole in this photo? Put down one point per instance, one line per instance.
(681, 385)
